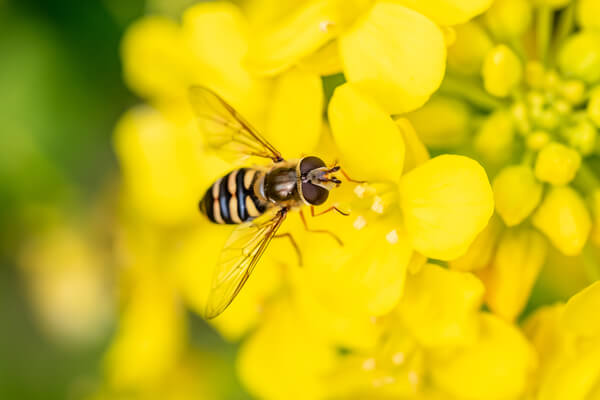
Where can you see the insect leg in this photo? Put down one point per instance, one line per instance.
(332, 208)
(333, 235)
(289, 236)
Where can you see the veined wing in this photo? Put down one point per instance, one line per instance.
(242, 251)
(225, 129)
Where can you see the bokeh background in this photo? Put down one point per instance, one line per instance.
(61, 95)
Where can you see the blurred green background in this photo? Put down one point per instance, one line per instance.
(61, 94)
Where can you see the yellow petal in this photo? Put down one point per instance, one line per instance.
(516, 193)
(284, 343)
(501, 71)
(378, 54)
(217, 35)
(551, 3)
(587, 13)
(479, 255)
(368, 271)
(496, 366)
(295, 116)
(494, 139)
(580, 313)
(564, 219)
(545, 333)
(573, 374)
(325, 61)
(508, 19)
(518, 261)
(446, 202)
(579, 57)
(442, 122)
(150, 338)
(440, 306)
(300, 33)
(416, 152)
(448, 12)
(468, 51)
(194, 260)
(349, 330)
(557, 164)
(155, 58)
(370, 142)
(164, 173)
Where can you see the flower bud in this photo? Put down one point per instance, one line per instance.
(587, 13)
(479, 254)
(581, 136)
(442, 121)
(508, 18)
(518, 261)
(538, 139)
(564, 219)
(557, 164)
(469, 49)
(579, 57)
(573, 91)
(516, 193)
(494, 138)
(501, 71)
(534, 74)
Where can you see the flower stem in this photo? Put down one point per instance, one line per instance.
(544, 32)
(565, 25)
(470, 91)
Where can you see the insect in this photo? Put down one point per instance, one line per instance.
(257, 199)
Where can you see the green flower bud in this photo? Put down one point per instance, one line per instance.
(537, 139)
(581, 136)
(573, 91)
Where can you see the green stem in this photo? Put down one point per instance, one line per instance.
(543, 29)
(470, 91)
(566, 23)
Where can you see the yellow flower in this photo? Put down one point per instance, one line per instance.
(376, 43)
(568, 339)
(525, 76)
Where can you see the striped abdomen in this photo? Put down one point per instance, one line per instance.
(232, 199)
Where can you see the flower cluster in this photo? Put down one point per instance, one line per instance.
(521, 96)
(396, 312)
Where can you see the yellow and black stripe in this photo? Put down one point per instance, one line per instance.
(232, 199)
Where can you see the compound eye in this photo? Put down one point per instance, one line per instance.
(314, 194)
(307, 164)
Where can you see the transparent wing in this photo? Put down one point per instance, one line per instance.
(225, 129)
(238, 259)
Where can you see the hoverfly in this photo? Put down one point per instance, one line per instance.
(257, 199)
